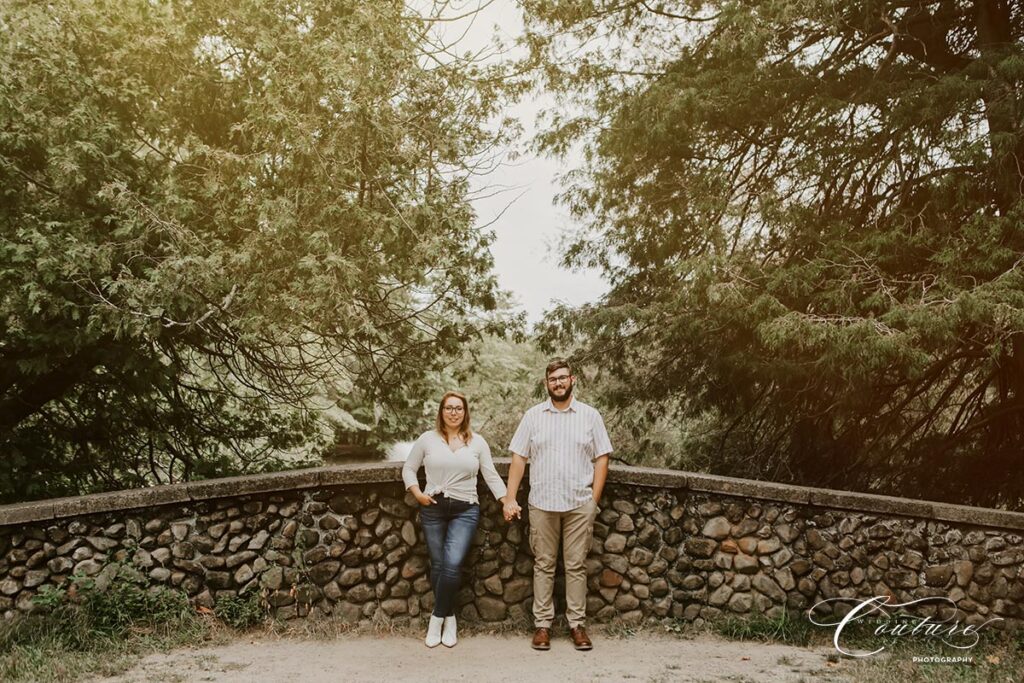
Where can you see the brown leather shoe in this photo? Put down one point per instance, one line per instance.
(541, 639)
(579, 638)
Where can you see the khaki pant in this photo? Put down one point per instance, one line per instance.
(575, 530)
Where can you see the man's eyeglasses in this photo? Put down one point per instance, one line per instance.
(454, 409)
(561, 379)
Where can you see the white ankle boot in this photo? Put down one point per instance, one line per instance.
(449, 637)
(433, 638)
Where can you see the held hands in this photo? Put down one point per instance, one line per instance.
(511, 510)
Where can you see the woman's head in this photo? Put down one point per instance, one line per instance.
(453, 414)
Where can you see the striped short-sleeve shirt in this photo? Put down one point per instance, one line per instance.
(561, 446)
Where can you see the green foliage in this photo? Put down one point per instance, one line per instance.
(49, 597)
(95, 627)
(128, 602)
(501, 377)
(228, 233)
(785, 628)
(101, 624)
(811, 217)
(241, 611)
(124, 600)
(677, 627)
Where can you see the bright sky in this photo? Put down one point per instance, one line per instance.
(529, 231)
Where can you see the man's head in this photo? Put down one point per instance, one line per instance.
(559, 380)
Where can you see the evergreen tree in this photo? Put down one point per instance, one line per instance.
(221, 222)
(810, 213)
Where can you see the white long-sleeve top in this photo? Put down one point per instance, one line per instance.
(452, 473)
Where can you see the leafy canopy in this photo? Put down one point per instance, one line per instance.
(810, 213)
(226, 229)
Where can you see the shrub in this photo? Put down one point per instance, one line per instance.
(95, 625)
(124, 599)
(241, 611)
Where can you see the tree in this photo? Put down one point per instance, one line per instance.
(810, 213)
(222, 220)
(502, 378)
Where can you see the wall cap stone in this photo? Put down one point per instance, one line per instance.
(370, 473)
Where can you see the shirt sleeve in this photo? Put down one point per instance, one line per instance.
(520, 444)
(602, 443)
(490, 474)
(412, 464)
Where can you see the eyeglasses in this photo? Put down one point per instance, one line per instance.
(454, 409)
(561, 379)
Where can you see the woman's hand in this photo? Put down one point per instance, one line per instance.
(511, 509)
(421, 498)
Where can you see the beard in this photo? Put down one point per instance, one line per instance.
(563, 396)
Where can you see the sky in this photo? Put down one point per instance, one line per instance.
(529, 231)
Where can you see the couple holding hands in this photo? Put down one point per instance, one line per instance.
(567, 446)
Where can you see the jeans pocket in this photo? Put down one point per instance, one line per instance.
(428, 511)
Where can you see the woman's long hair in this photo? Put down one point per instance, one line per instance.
(464, 430)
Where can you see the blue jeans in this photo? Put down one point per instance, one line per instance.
(449, 527)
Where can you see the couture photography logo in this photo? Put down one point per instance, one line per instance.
(888, 621)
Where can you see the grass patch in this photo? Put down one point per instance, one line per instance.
(65, 647)
(785, 628)
(998, 656)
(617, 629)
(98, 627)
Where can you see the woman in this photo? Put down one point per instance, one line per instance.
(449, 511)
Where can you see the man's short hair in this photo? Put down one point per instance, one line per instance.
(557, 364)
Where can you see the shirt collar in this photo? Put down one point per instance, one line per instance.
(550, 406)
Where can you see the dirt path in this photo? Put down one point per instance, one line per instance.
(644, 657)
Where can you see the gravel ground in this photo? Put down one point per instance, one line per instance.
(396, 658)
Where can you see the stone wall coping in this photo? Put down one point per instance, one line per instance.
(369, 473)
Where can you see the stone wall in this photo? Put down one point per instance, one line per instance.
(345, 541)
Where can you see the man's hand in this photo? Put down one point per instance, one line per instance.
(511, 510)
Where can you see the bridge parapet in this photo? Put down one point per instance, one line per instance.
(345, 541)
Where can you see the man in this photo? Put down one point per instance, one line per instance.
(567, 446)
